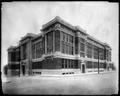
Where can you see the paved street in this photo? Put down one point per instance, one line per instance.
(78, 84)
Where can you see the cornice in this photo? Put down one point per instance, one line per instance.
(28, 35)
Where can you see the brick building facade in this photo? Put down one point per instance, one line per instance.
(59, 48)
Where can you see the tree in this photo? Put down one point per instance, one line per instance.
(6, 69)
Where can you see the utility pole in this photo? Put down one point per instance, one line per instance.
(98, 60)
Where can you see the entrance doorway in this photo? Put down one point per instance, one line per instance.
(83, 68)
(23, 69)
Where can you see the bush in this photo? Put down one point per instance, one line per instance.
(5, 69)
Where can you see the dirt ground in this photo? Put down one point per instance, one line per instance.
(92, 84)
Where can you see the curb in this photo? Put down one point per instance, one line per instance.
(70, 75)
(82, 74)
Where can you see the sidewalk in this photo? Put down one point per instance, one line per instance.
(81, 74)
(66, 75)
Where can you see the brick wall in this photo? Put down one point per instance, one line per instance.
(54, 63)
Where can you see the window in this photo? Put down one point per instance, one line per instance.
(69, 63)
(13, 56)
(49, 42)
(82, 47)
(95, 52)
(111, 65)
(76, 63)
(101, 54)
(70, 39)
(101, 65)
(62, 63)
(67, 44)
(57, 40)
(63, 47)
(89, 50)
(72, 63)
(82, 40)
(63, 37)
(24, 51)
(82, 54)
(72, 50)
(65, 63)
(17, 55)
(109, 56)
(37, 65)
(66, 49)
(39, 49)
(89, 64)
(33, 50)
(67, 38)
(95, 64)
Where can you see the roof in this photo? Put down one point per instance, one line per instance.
(38, 35)
(28, 35)
(78, 28)
(57, 19)
(75, 28)
(98, 41)
(107, 45)
(60, 20)
(13, 47)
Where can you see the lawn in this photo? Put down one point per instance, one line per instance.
(92, 84)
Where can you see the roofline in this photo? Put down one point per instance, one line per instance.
(40, 34)
(28, 35)
(106, 44)
(78, 28)
(96, 40)
(59, 20)
(13, 47)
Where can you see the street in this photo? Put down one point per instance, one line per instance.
(78, 85)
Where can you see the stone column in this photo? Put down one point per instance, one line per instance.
(77, 43)
(15, 55)
(85, 47)
(53, 41)
(79, 64)
(35, 50)
(30, 57)
(60, 42)
(73, 45)
(21, 56)
(9, 64)
(21, 52)
(92, 51)
(45, 45)
(9, 57)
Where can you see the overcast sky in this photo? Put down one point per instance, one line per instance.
(99, 19)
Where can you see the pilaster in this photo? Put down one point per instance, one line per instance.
(10, 57)
(45, 45)
(92, 51)
(77, 43)
(21, 52)
(73, 45)
(85, 47)
(53, 41)
(60, 42)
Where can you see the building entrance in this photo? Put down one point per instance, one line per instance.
(23, 69)
(83, 68)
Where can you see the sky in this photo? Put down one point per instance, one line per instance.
(99, 19)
